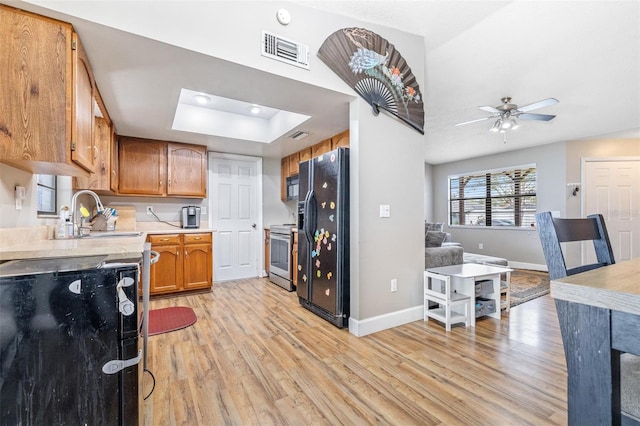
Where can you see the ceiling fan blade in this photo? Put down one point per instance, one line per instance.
(489, 109)
(538, 117)
(539, 104)
(474, 121)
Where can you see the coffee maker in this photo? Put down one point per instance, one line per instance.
(191, 217)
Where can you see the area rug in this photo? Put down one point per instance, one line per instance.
(527, 285)
(165, 320)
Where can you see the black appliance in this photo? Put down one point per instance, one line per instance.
(323, 236)
(280, 255)
(293, 187)
(69, 347)
(190, 217)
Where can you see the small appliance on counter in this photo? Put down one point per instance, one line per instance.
(191, 217)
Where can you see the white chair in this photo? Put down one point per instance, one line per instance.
(437, 289)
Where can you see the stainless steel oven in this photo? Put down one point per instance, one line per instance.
(280, 256)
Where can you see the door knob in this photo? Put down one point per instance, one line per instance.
(253, 225)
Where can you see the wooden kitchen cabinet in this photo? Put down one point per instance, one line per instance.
(294, 164)
(160, 168)
(186, 170)
(83, 149)
(341, 140)
(142, 165)
(103, 140)
(166, 274)
(284, 174)
(321, 148)
(186, 262)
(290, 165)
(46, 87)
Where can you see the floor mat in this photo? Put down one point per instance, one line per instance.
(165, 320)
(527, 285)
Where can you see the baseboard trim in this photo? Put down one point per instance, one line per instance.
(371, 325)
(529, 266)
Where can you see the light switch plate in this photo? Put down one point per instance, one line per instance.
(385, 210)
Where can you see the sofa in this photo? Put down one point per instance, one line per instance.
(439, 249)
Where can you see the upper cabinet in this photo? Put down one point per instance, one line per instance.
(160, 168)
(103, 140)
(46, 87)
(142, 165)
(83, 149)
(187, 170)
(290, 165)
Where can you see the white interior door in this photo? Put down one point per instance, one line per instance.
(612, 188)
(234, 202)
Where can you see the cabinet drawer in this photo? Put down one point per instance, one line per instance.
(197, 238)
(164, 239)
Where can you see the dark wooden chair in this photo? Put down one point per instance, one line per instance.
(553, 231)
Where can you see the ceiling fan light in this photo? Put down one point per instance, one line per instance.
(514, 123)
(497, 125)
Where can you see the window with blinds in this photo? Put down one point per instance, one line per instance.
(494, 198)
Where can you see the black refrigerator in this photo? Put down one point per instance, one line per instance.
(323, 236)
(69, 347)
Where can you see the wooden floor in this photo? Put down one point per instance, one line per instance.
(255, 357)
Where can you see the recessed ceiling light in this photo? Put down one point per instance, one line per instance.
(255, 109)
(202, 99)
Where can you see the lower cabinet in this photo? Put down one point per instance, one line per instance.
(186, 262)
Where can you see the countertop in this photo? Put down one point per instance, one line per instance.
(36, 242)
(613, 287)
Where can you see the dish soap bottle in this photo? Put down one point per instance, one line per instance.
(64, 229)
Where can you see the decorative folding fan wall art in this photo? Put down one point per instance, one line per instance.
(377, 72)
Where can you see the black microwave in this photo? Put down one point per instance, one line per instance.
(292, 188)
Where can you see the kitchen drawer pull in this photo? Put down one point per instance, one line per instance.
(164, 239)
(197, 238)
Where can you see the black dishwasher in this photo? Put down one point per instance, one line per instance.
(69, 347)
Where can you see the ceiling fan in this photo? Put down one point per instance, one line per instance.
(507, 113)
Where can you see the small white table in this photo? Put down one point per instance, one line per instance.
(465, 276)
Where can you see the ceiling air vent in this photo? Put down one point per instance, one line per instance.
(297, 135)
(285, 50)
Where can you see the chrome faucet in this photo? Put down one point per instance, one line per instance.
(99, 206)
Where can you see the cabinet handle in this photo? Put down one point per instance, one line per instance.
(198, 238)
(164, 239)
(95, 152)
(169, 182)
(185, 253)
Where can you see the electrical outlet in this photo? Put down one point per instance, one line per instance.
(394, 285)
(480, 246)
(149, 210)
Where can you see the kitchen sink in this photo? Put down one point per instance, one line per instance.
(113, 234)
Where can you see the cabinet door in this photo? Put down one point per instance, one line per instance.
(187, 170)
(304, 155)
(294, 164)
(321, 148)
(83, 150)
(284, 174)
(35, 55)
(142, 165)
(101, 179)
(113, 154)
(340, 140)
(198, 266)
(167, 274)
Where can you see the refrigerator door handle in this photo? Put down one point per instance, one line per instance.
(117, 365)
(310, 214)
